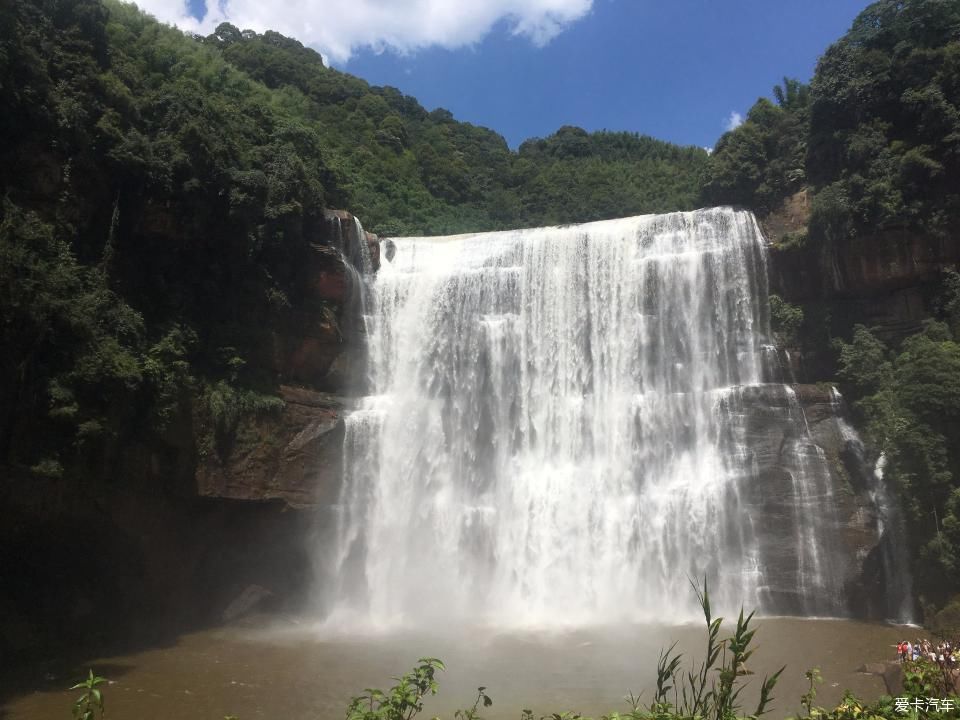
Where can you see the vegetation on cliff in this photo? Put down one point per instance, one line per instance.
(763, 161)
(909, 398)
(157, 203)
(884, 142)
(884, 157)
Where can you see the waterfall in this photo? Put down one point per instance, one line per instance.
(351, 241)
(898, 600)
(561, 429)
(362, 251)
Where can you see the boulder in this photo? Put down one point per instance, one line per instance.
(893, 678)
(373, 242)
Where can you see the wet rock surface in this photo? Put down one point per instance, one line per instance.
(793, 433)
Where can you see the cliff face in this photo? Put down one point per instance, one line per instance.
(891, 282)
(798, 434)
(295, 455)
(885, 281)
(172, 529)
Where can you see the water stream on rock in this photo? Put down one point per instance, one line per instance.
(564, 425)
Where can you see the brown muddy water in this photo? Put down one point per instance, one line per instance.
(292, 671)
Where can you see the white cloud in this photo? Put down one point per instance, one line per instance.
(734, 121)
(337, 28)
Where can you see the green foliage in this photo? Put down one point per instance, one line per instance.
(407, 171)
(166, 367)
(404, 700)
(884, 122)
(48, 468)
(68, 344)
(910, 402)
(793, 240)
(785, 321)
(864, 363)
(157, 207)
(876, 134)
(814, 678)
(946, 622)
(949, 302)
(849, 708)
(90, 703)
(761, 162)
(473, 712)
(925, 679)
(694, 693)
(574, 176)
(227, 405)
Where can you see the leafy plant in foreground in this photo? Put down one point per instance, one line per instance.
(922, 678)
(404, 700)
(90, 702)
(695, 695)
(472, 713)
(814, 678)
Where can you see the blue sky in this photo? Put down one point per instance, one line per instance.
(673, 69)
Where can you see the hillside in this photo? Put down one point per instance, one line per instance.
(406, 171)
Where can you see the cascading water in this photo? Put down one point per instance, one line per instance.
(363, 259)
(556, 432)
(893, 554)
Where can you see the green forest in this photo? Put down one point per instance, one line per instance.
(159, 192)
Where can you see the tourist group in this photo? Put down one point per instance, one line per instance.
(946, 654)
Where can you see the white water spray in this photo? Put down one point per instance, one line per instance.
(553, 432)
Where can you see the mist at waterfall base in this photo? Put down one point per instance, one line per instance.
(555, 436)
